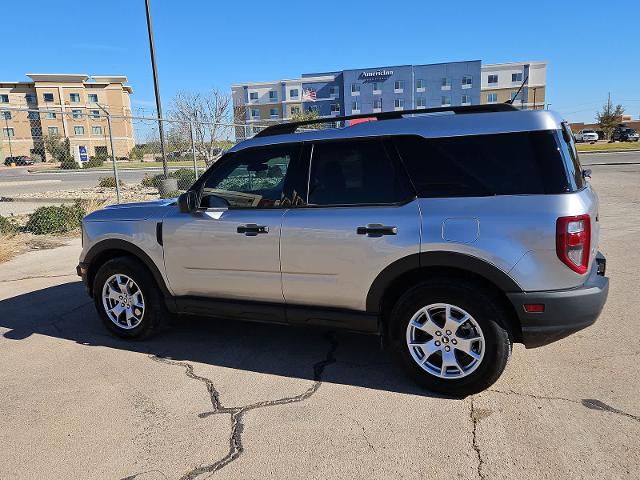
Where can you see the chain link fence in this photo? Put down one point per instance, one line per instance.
(59, 164)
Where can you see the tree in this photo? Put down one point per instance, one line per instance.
(210, 114)
(303, 116)
(609, 117)
(60, 150)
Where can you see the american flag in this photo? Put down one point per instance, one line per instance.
(309, 95)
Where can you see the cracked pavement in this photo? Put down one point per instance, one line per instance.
(207, 399)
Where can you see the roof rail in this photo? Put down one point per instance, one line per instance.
(291, 127)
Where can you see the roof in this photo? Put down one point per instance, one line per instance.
(428, 126)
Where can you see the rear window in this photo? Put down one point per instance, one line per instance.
(485, 165)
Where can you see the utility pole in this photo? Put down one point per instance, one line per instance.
(156, 87)
(6, 122)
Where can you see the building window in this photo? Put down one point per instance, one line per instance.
(51, 115)
(398, 104)
(4, 98)
(355, 106)
(96, 130)
(466, 100)
(74, 97)
(492, 79)
(273, 95)
(92, 97)
(33, 116)
(30, 98)
(467, 81)
(377, 103)
(76, 113)
(492, 97)
(273, 112)
(6, 115)
(335, 108)
(53, 131)
(95, 113)
(8, 132)
(445, 84)
(398, 86)
(294, 93)
(314, 108)
(377, 88)
(255, 113)
(36, 132)
(78, 130)
(355, 89)
(421, 102)
(333, 91)
(516, 96)
(295, 110)
(253, 95)
(516, 77)
(446, 101)
(48, 97)
(420, 85)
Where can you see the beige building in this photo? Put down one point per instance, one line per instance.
(65, 105)
(500, 82)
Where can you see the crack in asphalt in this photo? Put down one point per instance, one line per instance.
(475, 418)
(589, 403)
(38, 276)
(236, 446)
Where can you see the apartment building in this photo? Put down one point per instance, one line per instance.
(360, 91)
(65, 105)
(501, 81)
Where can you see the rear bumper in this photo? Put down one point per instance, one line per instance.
(565, 311)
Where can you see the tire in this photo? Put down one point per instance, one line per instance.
(483, 334)
(137, 319)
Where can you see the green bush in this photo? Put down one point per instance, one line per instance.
(149, 181)
(96, 161)
(173, 194)
(108, 182)
(55, 219)
(7, 227)
(69, 163)
(185, 177)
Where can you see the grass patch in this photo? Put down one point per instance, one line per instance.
(608, 147)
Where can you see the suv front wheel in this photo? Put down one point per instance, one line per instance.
(127, 298)
(449, 335)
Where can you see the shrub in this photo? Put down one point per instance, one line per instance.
(7, 227)
(185, 177)
(69, 163)
(150, 181)
(172, 194)
(55, 219)
(96, 161)
(108, 182)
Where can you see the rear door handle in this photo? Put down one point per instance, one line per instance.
(251, 229)
(377, 230)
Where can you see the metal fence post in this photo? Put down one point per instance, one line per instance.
(193, 148)
(113, 158)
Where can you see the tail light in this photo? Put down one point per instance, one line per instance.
(573, 241)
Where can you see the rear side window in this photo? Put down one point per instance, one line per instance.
(354, 172)
(485, 165)
(570, 154)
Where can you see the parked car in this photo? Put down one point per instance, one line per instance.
(20, 160)
(622, 133)
(586, 135)
(450, 236)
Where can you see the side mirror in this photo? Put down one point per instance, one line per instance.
(214, 201)
(188, 202)
(586, 173)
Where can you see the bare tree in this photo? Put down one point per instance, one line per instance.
(211, 116)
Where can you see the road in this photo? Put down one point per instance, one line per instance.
(236, 400)
(19, 180)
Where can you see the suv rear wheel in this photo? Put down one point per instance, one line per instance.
(127, 298)
(448, 335)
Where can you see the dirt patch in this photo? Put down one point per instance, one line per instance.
(14, 245)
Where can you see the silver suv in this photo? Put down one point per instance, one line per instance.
(451, 234)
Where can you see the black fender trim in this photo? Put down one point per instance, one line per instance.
(459, 261)
(100, 248)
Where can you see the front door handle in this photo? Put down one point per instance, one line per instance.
(251, 229)
(377, 230)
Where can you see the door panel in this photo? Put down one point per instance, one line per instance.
(205, 255)
(325, 262)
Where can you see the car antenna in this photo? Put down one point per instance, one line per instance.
(510, 101)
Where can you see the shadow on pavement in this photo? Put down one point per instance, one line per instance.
(65, 311)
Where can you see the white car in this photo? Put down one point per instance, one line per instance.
(586, 135)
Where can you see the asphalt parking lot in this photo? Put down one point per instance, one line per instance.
(212, 400)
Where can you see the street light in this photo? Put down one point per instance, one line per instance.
(156, 87)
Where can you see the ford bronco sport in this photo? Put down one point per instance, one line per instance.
(451, 232)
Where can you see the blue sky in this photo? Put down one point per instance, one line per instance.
(591, 49)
